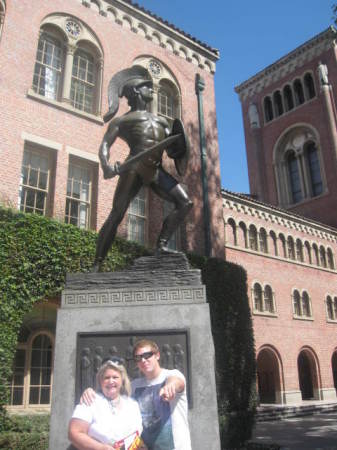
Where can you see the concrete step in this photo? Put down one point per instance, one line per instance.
(278, 412)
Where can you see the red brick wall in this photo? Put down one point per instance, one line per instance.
(312, 113)
(286, 335)
(121, 46)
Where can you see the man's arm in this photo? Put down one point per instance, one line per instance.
(88, 397)
(104, 150)
(174, 385)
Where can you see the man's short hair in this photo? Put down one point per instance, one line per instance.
(145, 343)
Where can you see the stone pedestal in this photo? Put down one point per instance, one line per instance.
(158, 297)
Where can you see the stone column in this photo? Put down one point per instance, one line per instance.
(257, 145)
(68, 67)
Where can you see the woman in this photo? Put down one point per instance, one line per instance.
(113, 420)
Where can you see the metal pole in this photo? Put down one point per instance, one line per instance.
(199, 87)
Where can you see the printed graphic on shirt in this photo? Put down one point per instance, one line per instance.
(156, 414)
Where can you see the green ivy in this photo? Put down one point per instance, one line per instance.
(35, 255)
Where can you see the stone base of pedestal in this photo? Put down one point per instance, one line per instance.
(103, 314)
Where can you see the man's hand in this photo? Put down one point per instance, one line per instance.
(88, 397)
(111, 171)
(172, 387)
(168, 392)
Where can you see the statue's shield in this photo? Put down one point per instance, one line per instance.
(180, 149)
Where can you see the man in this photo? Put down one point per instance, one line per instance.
(161, 395)
(141, 130)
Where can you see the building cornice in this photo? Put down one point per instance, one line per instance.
(159, 31)
(274, 215)
(287, 64)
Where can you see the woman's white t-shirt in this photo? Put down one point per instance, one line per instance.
(107, 424)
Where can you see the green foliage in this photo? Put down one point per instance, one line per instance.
(232, 330)
(26, 433)
(35, 255)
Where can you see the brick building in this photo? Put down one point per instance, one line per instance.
(57, 59)
(284, 234)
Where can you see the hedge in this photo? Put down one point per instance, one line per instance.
(35, 255)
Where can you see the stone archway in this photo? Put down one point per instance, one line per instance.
(307, 375)
(268, 377)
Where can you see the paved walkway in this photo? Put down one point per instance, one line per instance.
(311, 432)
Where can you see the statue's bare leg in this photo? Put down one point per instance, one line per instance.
(127, 187)
(183, 205)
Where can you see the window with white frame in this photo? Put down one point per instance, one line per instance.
(83, 82)
(31, 381)
(35, 185)
(48, 67)
(331, 308)
(69, 64)
(79, 194)
(137, 218)
(301, 305)
(263, 299)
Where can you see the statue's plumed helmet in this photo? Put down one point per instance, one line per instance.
(119, 84)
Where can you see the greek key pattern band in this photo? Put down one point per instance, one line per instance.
(133, 297)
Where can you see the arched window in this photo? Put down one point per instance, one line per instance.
(48, 67)
(252, 232)
(331, 263)
(243, 230)
(335, 307)
(274, 239)
(316, 253)
(299, 94)
(294, 177)
(298, 166)
(167, 101)
(299, 250)
(309, 86)
(308, 249)
(297, 303)
(232, 226)
(2, 15)
(278, 106)
(330, 308)
(316, 184)
(306, 305)
(291, 248)
(268, 109)
(35, 361)
(263, 241)
(258, 300)
(69, 64)
(288, 98)
(322, 256)
(284, 247)
(268, 299)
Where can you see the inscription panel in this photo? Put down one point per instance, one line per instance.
(93, 348)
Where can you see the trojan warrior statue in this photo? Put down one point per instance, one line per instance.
(147, 136)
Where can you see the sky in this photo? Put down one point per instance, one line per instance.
(250, 35)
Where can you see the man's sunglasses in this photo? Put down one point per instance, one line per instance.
(146, 355)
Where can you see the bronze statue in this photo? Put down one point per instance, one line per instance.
(147, 136)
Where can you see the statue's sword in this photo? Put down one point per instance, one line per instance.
(148, 152)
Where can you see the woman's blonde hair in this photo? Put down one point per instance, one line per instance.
(126, 385)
